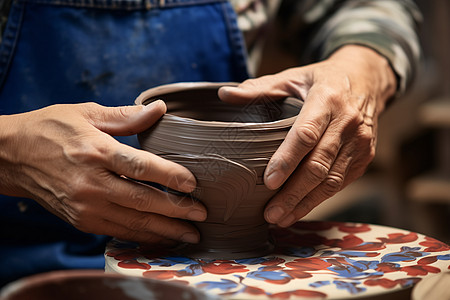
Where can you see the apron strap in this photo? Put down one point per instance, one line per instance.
(123, 4)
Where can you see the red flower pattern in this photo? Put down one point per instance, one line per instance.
(313, 238)
(399, 238)
(352, 242)
(133, 264)
(427, 260)
(162, 275)
(121, 254)
(434, 245)
(389, 284)
(253, 290)
(223, 267)
(353, 228)
(298, 274)
(388, 267)
(420, 270)
(308, 264)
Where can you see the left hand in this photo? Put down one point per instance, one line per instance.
(334, 136)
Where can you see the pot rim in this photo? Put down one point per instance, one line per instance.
(183, 86)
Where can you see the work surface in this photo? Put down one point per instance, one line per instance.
(329, 260)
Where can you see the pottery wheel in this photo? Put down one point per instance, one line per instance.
(329, 260)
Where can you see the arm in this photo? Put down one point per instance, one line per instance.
(334, 136)
(65, 158)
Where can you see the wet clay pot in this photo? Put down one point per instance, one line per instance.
(95, 284)
(227, 148)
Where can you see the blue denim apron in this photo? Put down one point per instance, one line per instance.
(107, 51)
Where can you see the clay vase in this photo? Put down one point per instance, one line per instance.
(227, 148)
(95, 284)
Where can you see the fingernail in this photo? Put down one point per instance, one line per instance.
(288, 221)
(196, 215)
(274, 179)
(227, 89)
(190, 237)
(274, 214)
(152, 104)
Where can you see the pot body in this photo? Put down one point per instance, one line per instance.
(227, 148)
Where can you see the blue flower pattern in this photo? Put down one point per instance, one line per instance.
(349, 268)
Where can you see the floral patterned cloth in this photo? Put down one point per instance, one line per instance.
(312, 259)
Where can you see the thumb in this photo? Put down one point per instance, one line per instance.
(127, 120)
(265, 88)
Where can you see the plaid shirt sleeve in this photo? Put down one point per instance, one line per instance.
(314, 29)
(387, 26)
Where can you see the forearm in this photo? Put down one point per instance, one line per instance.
(316, 29)
(370, 67)
(387, 27)
(8, 143)
(65, 158)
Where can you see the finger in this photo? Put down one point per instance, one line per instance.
(351, 163)
(304, 135)
(145, 166)
(145, 198)
(311, 173)
(123, 233)
(269, 87)
(333, 183)
(125, 120)
(138, 223)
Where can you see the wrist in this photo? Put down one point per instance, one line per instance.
(371, 66)
(8, 154)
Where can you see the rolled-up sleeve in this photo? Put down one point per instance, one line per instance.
(387, 26)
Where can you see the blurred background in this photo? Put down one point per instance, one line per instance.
(408, 184)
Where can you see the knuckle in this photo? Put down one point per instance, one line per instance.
(89, 105)
(366, 135)
(317, 171)
(307, 135)
(85, 153)
(139, 224)
(79, 218)
(334, 96)
(306, 207)
(355, 116)
(141, 201)
(290, 200)
(367, 143)
(134, 164)
(122, 112)
(333, 184)
(174, 206)
(351, 120)
(81, 187)
(327, 154)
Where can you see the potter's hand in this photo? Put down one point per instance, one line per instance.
(64, 157)
(333, 138)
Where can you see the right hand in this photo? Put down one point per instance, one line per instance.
(65, 158)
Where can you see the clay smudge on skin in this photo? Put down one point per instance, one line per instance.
(227, 148)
